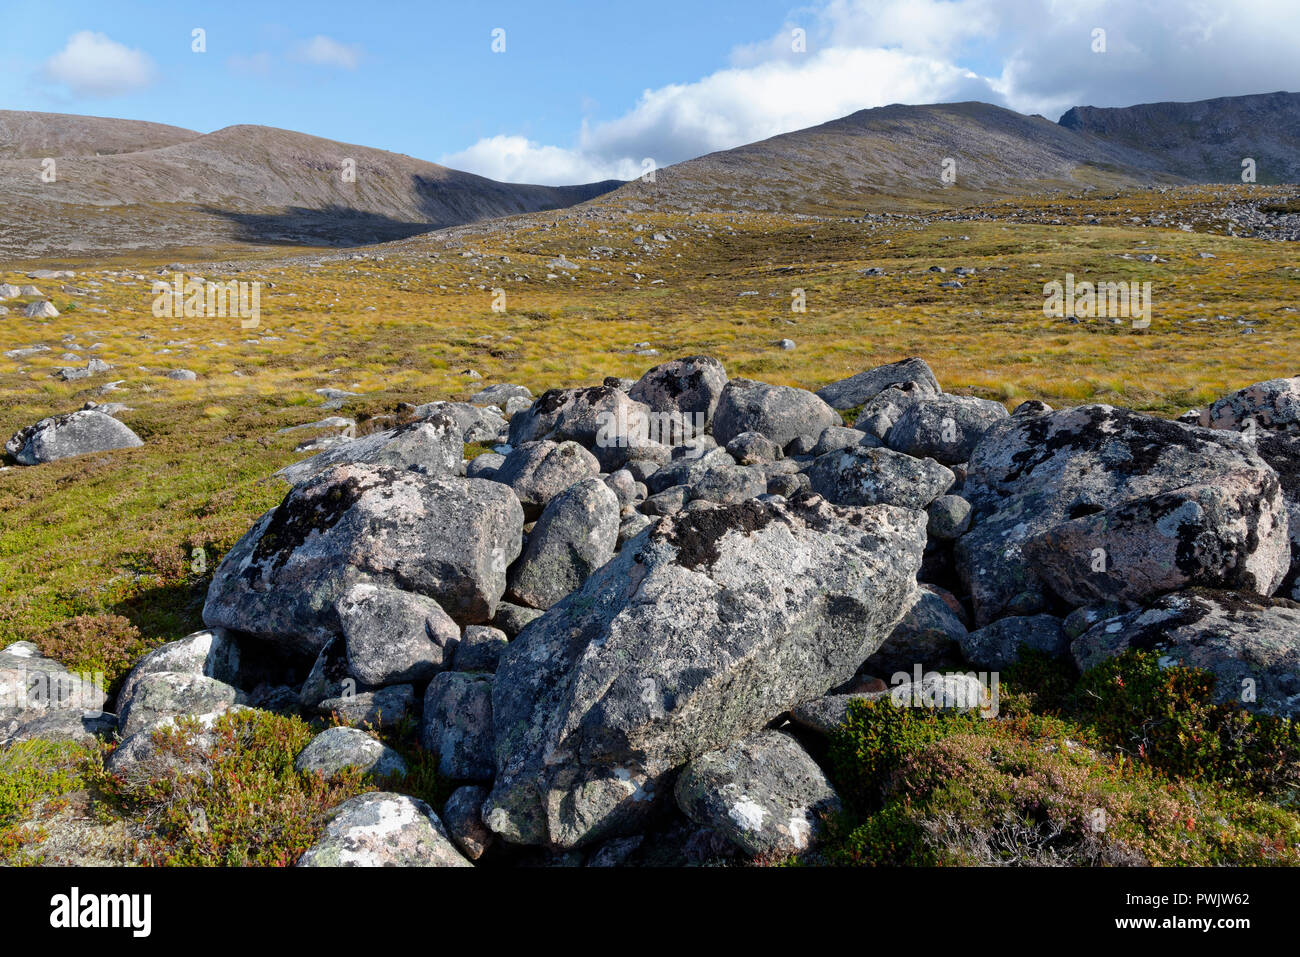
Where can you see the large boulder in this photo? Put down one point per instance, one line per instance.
(860, 389)
(394, 636)
(575, 536)
(339, 749)
(432, 447)
(578, 415)
(945, 427)
(764, 793)
(1250, 645)
(472, 423)
(689, 388)
(1272, 405)
(539, 471)
(699, 632)
(782, 413)
(451, 539)
(378, 829)
(866, 476)
(457, 725)
(213, 653)
(62, 436)
(1205, 500)
(928, 635)
(172, 694)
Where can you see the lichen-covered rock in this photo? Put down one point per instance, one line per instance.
(575, 535)
(432, 447)
(763, 793)
(782, 413)
(379, 829)
(479, 649)
(462, 814)
(944, 427)
(457, 725)
(165, 694)
(947, 692)
(751, 448)
(394, 636)
(860, 389)
(867, 476)
(949, 517)
(539, 471)
(580, 415)
(1251, 645)
(451, 539)
(211, 652)
(383, 708)
(928, 635)
(473, 424)
(699, 632)
(77, 433)
(1272, 405)
(1031, 475)
(728, 484)
(338, 749)
(689, 387)
(997, 646)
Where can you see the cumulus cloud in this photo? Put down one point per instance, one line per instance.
(1035, 56)
(324, 51)
(93, 65)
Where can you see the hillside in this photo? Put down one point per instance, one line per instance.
(1205, 141)
(892, 156)
(243, 184)
(38, 135)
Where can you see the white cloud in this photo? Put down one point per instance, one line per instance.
(1030, 55)
(324, 51)
(93, 65)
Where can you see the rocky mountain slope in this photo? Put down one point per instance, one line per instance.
(38, 135)
(1207, 140)
(243, 183)
(894, 155)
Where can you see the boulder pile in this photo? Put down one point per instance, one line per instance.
(626, 631)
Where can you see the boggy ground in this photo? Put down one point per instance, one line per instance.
(103, 557)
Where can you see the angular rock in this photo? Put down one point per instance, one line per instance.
(451, 539)
(781, 413)
(1032, 474)
(457, 725)
(379, 829)
(763, 793)
(865, 476)
(1273, 405)
(337, 749)
(949, 517)
(432, 447)
(690, 387)
(480, 648)
(575, 536)
(539, 471)
(929, 634)
(394, 636)
(696, 634)
(862, 388)
(169, 694)
(729, 484)
(384, 708)
(471, 423)
(997, 646)
(462, 814)
(1251, 645)
(945, 427)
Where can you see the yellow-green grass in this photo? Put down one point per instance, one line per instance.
(115, 534)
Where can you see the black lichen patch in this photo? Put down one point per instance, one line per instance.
(696, 533)
(315, 508)
(1131, 441)
(551, 401)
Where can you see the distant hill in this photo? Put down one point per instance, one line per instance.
(893, 155)
(39, 135)
(242, 183)
(1207, 140)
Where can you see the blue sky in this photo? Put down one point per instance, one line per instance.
(586, 89)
